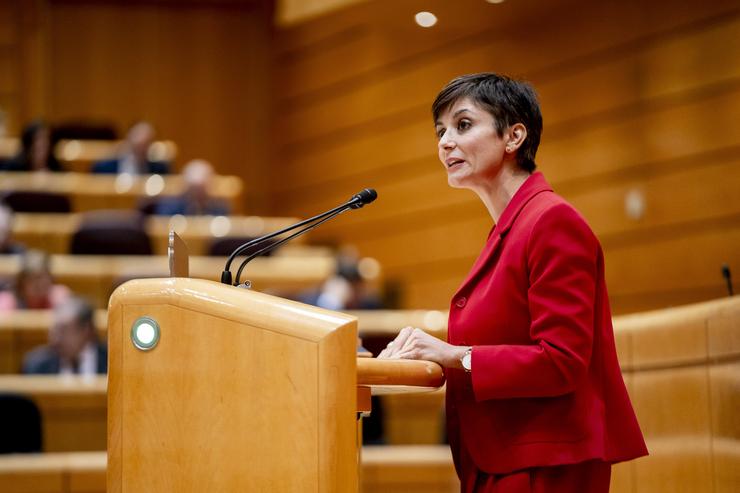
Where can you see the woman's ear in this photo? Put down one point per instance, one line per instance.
(515, 137)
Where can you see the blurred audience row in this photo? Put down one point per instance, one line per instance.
(73, 345)
(37, 152)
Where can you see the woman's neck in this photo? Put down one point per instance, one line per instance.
(497, 194)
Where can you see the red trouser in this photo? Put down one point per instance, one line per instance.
(585, 477)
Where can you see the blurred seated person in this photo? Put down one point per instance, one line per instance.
(37, 150)
(7, 245)
(73, 346)
(134, 158)
(347, 289)
(33, 288)
(196, 199)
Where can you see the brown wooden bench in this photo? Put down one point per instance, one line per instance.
(94, 191)
(95, 276)
(52, 233)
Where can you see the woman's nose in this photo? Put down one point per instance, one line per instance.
(446, 142)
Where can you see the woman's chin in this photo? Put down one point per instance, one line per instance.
(456, 181)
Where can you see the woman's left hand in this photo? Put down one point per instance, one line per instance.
(414, 343)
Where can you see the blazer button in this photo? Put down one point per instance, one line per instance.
(461, 302)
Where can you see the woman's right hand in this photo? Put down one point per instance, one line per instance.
(414, 343)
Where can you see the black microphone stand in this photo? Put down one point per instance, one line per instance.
(226, 274)
(269, 247)
(357, 201)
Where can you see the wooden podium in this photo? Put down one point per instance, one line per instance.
(217, 388)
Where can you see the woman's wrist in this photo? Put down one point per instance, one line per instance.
(456, 355)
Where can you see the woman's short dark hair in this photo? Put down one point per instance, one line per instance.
(509, 101)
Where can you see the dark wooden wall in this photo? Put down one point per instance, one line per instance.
(21, 42)
(640, 99)
(200, 70)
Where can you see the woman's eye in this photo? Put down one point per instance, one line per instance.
(440, 132)
(464, 125)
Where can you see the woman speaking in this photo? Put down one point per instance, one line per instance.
(535, 398)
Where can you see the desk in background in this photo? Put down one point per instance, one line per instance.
(80, 154)
(90, 192)
(67, 472)
(385, 469)
(73, 408)
(95, 276)
(53, 232)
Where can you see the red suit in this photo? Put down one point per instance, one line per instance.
(545, 387)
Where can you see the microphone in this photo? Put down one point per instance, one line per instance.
(366, 196)
(357, 201)
(728, 278)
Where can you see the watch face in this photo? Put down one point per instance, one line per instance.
(466, 360)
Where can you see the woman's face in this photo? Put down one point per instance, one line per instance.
(35, 290)
(469, 145)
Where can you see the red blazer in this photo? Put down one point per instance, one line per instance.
(545, 387)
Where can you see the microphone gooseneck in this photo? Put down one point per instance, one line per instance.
(272, 246)
(357, 201)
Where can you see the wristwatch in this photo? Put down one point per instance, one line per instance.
(467, 360)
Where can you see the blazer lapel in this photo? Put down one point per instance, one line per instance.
(535, 184)
(488, 252)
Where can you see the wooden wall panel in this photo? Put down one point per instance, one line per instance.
(646, 106)
(613, 82)
(389, 42)
(380, 32)
(200, 70)
(22, 35)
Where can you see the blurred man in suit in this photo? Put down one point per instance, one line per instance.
(73, 346)
(196, 199)
(134, 159)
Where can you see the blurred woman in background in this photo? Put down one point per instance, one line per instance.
(34, 288)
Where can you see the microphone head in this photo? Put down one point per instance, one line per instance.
(364, 197)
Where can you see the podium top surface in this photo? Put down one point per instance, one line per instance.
(230, 303)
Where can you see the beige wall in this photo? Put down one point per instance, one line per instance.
(638, 98)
